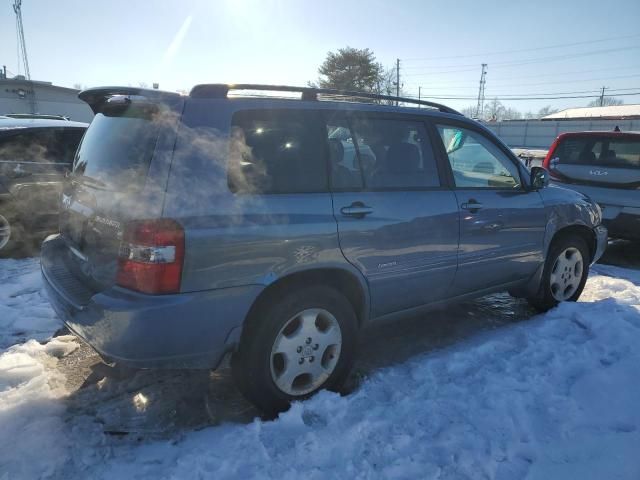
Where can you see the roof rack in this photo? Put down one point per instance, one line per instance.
(220, 90)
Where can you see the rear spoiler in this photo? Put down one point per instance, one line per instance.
(97, 97)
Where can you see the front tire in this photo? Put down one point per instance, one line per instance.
(295, 345)
(565, 273)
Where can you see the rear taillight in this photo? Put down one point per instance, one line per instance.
(151, 256)
(552, 150)
(549, 163)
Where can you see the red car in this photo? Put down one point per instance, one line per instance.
(606, 167)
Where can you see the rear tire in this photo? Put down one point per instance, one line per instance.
(295, 345)
(565, 273)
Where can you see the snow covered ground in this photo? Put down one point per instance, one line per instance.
(555, 396)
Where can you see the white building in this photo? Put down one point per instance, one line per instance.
(18, 95)
(613, 112)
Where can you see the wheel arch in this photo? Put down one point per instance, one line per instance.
(582, 231)
(350, 284)
(585, 232)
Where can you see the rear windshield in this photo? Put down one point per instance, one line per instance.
(40, 145)
(117, 149)
(598, 151)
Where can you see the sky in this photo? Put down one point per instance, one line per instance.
(531, 47)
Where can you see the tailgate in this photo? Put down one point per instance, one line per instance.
(119, 174)
(599, 160)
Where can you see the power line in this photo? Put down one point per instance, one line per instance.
(531, 61)
(537, 84)
(514, 80)
(554, 93)
(547, 47)
(582, 71)
(441, 97)
(550, 94)
(556, 74)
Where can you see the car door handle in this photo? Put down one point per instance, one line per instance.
(356, 209)
(472, 206)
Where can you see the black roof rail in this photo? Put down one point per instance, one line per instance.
(220, 90)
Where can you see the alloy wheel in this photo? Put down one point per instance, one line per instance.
(306, 351)
(566, 274)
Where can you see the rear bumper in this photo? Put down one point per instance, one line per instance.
(187, 330)
(624, 225)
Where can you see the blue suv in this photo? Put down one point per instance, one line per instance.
(275, 229)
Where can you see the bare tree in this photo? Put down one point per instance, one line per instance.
(386, 85)
(469, 111)
(494, 110)
(606, 102)
(548, 110)
(511, 114)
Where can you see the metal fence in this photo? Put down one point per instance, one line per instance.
(541, 133)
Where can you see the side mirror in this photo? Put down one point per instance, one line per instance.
(539, 178)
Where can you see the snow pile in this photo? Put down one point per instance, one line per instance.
(24, 310)
(33, 442)
(553, 397)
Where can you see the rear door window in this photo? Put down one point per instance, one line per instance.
(277, 151)
(345, 166)
(374, 153)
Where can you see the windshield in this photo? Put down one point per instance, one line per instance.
(117, 150)
(598, 151)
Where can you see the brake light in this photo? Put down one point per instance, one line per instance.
(151, 256)
(552, 150)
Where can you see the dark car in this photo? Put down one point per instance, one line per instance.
(276, 229)
(606, 167)
(35, 154)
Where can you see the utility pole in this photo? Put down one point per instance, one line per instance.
(419, 95)
(602, 96)
(483, 81)
(17, 8)
(22, 47)
(397, 79)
